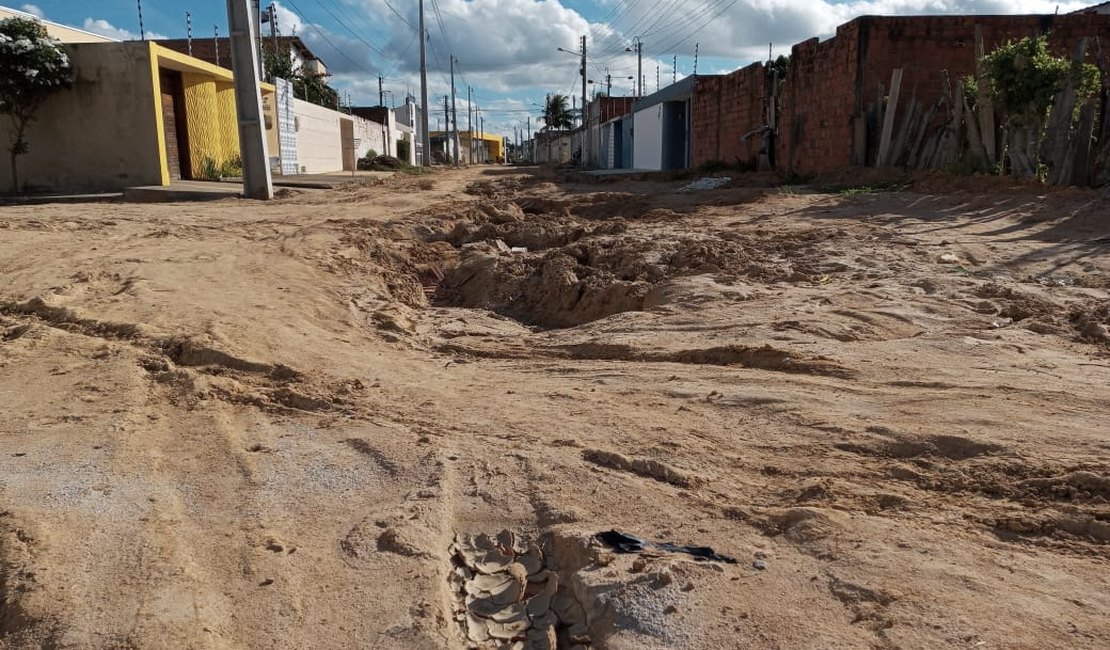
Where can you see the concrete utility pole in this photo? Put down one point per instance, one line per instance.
(381, 93)
(189, 31)
(425, 138)
(531, 144)
(446, 130)
(674, 69)
(243, 26)
(469, 127)
(454, 113)
(216, 41)
(482, 137)
(273, 34)
(657, 77)
(256, 15)
(142, 32)
(585, 110)
(639, 49)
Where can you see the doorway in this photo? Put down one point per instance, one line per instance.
(174, 125)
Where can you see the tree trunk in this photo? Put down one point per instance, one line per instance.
(15, 173)
(19, 122)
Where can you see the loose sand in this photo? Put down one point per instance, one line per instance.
(305, 423)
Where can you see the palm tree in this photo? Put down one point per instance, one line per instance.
(556, 114)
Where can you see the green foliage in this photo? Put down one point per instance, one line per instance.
(371, 154)
(1025, 77)
(781, 65)
(32, 67)
(213, 170)
(232, 167)
(556, 113)
(209, 170)
(404, 150)
(278, 62)
(971, 91)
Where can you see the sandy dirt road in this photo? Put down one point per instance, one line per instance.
(303, 424)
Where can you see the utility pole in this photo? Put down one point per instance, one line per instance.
(639, 66)
(189, 31)
(531, 144)
(455, 114)
(273, 34)
(447, 130)
(608, 84)
(482, 137)
(585, 110)
(142, 32)
(216, 42)
(674, 69)
(696, 46)
(256, 15)
(381, 93)
(425, 139)
(469, 127)
(243, 26)
(656, 77)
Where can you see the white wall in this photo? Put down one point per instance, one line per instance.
(647, 140)
(319, 142)
(371, 135)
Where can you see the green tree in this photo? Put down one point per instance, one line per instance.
(279, 61)
(1024, 79)
(307, 86)
(32, 67)
(556, 113)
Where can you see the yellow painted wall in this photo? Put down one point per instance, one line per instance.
(229, 120)
(202, 114)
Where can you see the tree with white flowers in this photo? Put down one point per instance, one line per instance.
(32, 66)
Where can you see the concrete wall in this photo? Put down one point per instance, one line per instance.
(101, 134)
(319, 142)
(372, 135)
(647, 147)
(553, 148)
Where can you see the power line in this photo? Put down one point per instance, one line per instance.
(324, 36)
(357, 36)
(695, 31)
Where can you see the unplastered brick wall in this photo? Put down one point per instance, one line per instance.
(818, 103)
(831, 83)
(725, 109)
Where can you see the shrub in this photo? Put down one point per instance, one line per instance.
(32, 66)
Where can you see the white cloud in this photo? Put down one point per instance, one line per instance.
(508, 47)
(105, 28)
(33, 10)
(747, 26)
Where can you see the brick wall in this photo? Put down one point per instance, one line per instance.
(724, 109)
(833, 82)
(818, 103)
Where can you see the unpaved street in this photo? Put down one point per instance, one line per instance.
(294, 425)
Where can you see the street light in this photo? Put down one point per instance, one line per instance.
(609, 82)
(638, 48)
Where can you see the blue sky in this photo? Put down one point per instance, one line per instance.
(507, 48)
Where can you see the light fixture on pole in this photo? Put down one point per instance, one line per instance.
(638, 48)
